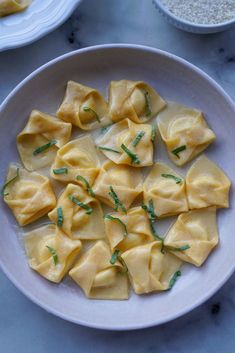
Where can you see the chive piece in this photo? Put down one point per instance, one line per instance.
(170, 176)
(177, 150)
(60, 171)
(181, 248)
(116, 219)
(44, 147)
(88, 187)
(153, 134)
(75, 200)
(148, 110)
(9, 182)
(114, 257)
(60, 217)
(116, 200)
(174, 279)
(138, 138)
(108, 149)
(87, 109)
(54, 254)
(133, 156)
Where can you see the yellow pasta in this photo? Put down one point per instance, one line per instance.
(8, 7)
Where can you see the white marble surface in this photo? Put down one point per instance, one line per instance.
(26, 328)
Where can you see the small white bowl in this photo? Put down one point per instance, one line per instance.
(190, 26)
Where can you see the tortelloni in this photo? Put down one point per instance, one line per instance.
(135, 100)
(97, 277)
(149, 268)
(76, 158)
(167, 191)
(124, 231)
(118, 185)
(29, 195)
(207, 185)
(78, 215)
(135, 137)
(50, 252)
(42, 136)
(83, 107)
(195, 230)
(8, 7)
(184, 131)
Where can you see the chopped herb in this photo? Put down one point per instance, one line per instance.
(60, 171)
(153, 134)
(133, 156)
(170, 176)
(44, 147)
(9, 182)
(114, 256)
(174, 279)
(104, 129)
(75, 200)
(88, 187)
(138, 138)
(116, 219)
(108, 149)
(117, 202)
(181, 248)
(148, 110)
(54, 254)
(87, 109)
(177, 150)
(60, 217)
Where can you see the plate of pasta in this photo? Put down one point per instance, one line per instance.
(24, 21)
(116, 172)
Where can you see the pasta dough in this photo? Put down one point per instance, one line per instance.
(197, 229)
(97, 277)
(50, 252)
(149, 269)
(137, 226)
(41, 131)
(135, 100)
(79, 158)
(30, 196)
(83, 107)
(167, 190)
(184, 131)
(8, 7)
(126, 132)
(125, 181)
(207, 185)
(79, 222)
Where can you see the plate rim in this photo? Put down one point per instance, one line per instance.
(95, 48)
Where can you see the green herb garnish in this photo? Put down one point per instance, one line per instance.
(177, 150)
(116, 219)
(116, 200)
(148, 110)
(133, 156)
(75, 200)
(138, 138)
(44, 147)
(174, 279)
(87, 109)
(54, 254)
(108, 149)
(153, 134)
(114, 257)
(60, 217)
(181, 248)
(9, 182)
(170, 176)
(105, 128)
(88, 187)
(60, 171)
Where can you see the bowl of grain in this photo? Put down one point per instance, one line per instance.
(201, 16)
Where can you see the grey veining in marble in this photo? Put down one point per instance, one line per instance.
(26, 328)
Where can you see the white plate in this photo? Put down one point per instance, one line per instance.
(175, 79)
(40, 18)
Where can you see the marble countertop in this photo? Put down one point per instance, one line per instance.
(26, 328)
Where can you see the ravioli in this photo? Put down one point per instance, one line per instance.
(196, 229)
(184, 131)
(50, 252)
(149, 269)
(137, 139)
(40, 139)
(135, 100)
(97, 277)
(76, 158)
(8, 7)
(29, 195)
(207, 185)
(133, 230)
(122, 180)
(84, 107)
(80, 215)
(166, 189)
